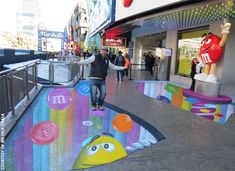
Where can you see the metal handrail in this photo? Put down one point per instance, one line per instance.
(65, 57)
(5, 72)
(27, 78)
(8, 76)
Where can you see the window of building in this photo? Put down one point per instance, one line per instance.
(189, 42)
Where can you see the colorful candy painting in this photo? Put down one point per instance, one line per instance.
(218, 109)
(59, 131)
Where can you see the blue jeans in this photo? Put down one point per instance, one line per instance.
(120, 74)
(97, 84)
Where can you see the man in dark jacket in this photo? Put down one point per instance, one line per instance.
(120, 61)
(99, 66)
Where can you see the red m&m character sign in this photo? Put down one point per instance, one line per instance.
(211, 51)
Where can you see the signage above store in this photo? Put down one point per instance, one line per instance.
(167, 52)
(101, 16)
(120, 41)
(127, 8)
(51, 34)
(160, 52)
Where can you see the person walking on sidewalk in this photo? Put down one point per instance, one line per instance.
(126, 65)
(98, 72)
(120, 61)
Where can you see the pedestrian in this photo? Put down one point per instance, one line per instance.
(151, 63)
(193, 72)
(146, 60)
(120, 61)
(98, 72)
(126, 65)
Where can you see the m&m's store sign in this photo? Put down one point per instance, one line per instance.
(120, 41)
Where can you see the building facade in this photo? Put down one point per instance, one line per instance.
(178, 26)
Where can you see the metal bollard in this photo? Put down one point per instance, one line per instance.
(51, 73)
(130, 72)
(82, 78)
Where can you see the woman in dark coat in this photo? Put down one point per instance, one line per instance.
(193, 72)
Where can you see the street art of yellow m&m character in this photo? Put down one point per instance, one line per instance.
(100, 150)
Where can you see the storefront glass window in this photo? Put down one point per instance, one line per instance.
(188, 47)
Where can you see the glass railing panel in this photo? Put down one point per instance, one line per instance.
(62, 72)
(4, 96)
(43, 72)
(18, 86)
(75, 70)
(31, 78)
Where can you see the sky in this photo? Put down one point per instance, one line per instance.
(54, 13)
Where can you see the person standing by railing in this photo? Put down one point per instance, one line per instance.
(98, 72)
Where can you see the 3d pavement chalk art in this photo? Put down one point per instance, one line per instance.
(59, 98)
(58, 131)
(216, 109)
(44, 132)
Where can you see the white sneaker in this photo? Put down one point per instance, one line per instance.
(101, 107)
(211, 78)
(93, 108)
(201, 77)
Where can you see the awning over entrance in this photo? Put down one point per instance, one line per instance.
(182, 17)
